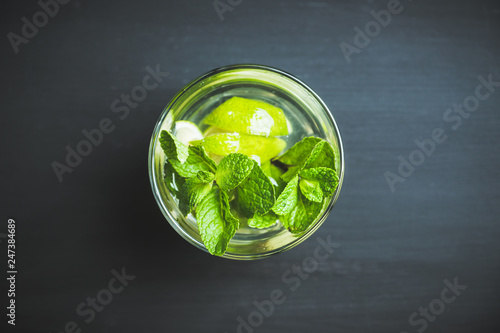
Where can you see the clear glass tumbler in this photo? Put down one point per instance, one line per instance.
(307, 116)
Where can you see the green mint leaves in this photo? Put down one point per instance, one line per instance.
(321, 156)
(300, 151)
(256, 193)
(232, 170)
(173, 148)
(311, 168)
(302, 215)
(297, 156)
(187, 161)
(288, 198)
(215, 222)
(194, 190)
(311, 190)
(293, 189)
(196, 161)
(263, 221)
(327, 178)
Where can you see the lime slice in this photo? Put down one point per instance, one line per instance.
(248, 116)
(215, 158)
(220, 144)
(264, 148)
(260, 148)
(186, 131)
(214, 130)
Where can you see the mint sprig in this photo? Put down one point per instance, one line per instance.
(263, 221)
(292, 188)
(172, 179)
(215, 222)
(310, 167)
(194, 190)
(232, 170)
(296, 157)
(256, 193)
(302, 215)
(173, 148)
(197, 161)
(288, 198)
(326, 177)
(311, 190)
(322, 155)
(300, 151)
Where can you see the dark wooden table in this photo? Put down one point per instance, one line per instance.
(391, 86)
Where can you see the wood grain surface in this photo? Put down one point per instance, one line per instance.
(396, 248)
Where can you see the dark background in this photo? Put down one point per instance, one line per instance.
(396, 247)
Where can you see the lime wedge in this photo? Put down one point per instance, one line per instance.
(248, 116)
(264, 148)
(186, 131)
(260, 148)
(220, 144)
(214, 130)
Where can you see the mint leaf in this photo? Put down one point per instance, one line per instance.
(311, 152)
(311, 190)
(321, 156)
(299, 152)
(197, 161)
(297, 156)
(292, 172)
(173, 148)
(215, 222)
(205, 176)
(327, 178)
(303, 214)
(263, 221)
(173, 180)
(232, 170)
(274, 173)
(256, 193)
(194, 190)
(288, 198)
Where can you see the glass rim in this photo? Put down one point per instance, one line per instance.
(155, 186)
